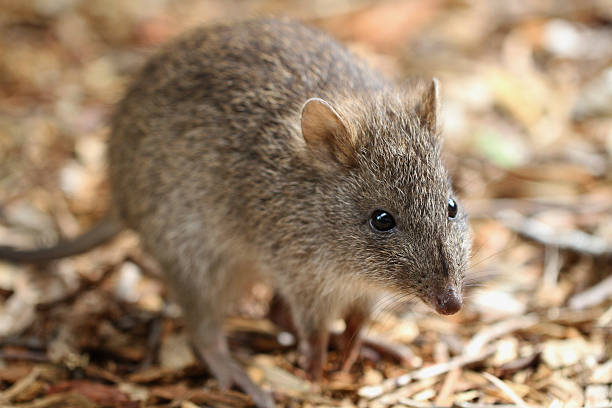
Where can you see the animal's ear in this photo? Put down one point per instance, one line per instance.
(428, 107)
(326, 134)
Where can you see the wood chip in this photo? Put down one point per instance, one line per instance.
(506, 389)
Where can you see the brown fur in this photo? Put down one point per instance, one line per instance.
(209, 165)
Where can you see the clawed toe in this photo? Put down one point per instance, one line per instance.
(229, 373)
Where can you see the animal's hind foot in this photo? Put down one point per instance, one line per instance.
(229, 373)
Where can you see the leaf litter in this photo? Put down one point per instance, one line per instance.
(527, 114)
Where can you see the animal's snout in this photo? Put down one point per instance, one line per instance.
(448, 301)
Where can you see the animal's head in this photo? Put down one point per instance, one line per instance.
(387, 204)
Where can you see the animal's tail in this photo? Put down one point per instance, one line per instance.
(100, 233)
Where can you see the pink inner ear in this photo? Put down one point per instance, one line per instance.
(325, 133)
(319, 120)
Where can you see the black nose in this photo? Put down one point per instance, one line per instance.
(448, 302)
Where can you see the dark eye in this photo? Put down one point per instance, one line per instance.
(452, 208)
(382, 221)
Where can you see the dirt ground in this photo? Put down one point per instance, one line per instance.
(527, 114)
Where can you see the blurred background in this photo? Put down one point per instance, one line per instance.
(527, 116)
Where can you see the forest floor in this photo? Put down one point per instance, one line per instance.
(527, 115)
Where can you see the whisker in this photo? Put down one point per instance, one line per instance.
(390, 303)
(513, 243)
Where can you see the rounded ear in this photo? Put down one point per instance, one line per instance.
(325, 133)
(428, 107)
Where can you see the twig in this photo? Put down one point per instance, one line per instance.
(569, 316)
(518, 364)
(572, 240)
(30, 342)
(605, 320)
(476, 405)
(592, 296)
(20, 385)
(445, 396)
(488, 208)
(25, 355)
(486, 335)
(411, 403)
(552, 266)
(374, 391)
(403, 354)
(67, 399)
(506, 390)
(403, 392)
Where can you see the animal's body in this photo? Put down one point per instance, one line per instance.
(265, 151)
